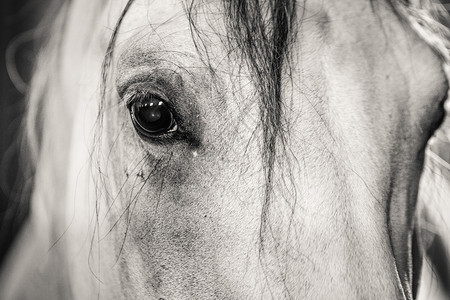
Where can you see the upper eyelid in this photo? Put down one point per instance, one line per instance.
(142, 89)
(160, 79)
(180, 90)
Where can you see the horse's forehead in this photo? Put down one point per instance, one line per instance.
(196, 35)
(165, 29)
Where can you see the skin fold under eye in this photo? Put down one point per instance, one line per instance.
(151, 115)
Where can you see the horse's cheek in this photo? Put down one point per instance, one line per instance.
(191, 216)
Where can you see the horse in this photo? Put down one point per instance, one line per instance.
(254, 149)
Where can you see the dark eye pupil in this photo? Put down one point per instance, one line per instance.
(152, 116)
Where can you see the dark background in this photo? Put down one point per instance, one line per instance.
(18, 46)
(20, 21)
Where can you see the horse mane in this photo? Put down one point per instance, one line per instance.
(45, 144)
(48, 117)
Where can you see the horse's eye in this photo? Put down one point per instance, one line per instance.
(151, 116)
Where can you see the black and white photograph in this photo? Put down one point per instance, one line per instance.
(225, 149)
